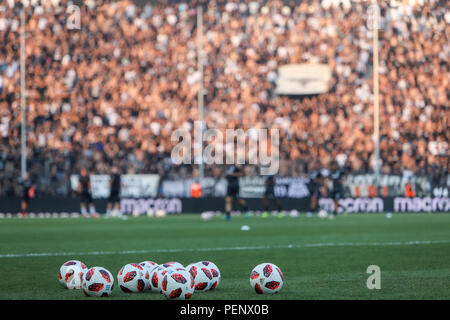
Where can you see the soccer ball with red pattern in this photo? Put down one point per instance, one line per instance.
(70, 274)
(177, 284)
(74, 276)
(148, 266)
(156, 277)
(266, 278)
(97, 282)
(132, 278)
(173, 264)
(215, 272)
(206, 275)
(202, 276)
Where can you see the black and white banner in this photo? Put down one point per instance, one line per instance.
(291, 187)
(211, 187)
(395, 184)
(285, 187)
(353, 205)
(251, 187)
(356, 186)
(426, 204)
(397, 204)
(144, 206)
(133, 185)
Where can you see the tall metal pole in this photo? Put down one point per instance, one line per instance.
(200, 88)
(376, 106)
(23, 94)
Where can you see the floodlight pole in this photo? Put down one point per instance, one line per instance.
(23, 95)
(200, 88)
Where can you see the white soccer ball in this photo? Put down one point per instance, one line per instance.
(173, 264)
(177, 284)
(74, 277)
(156, 277)
(69, 272)
(207, 215)
(322, 214)
(148, 268)
(294, 213)
(97, 282)
(202, 276)
(136, 213)
(160, 213)
(206, 275)
(148, 264)
(131, 278)
(215, 272)
(266, 278)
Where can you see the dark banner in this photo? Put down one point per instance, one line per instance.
(174, 205)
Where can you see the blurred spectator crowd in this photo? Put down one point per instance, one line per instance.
(111, 92)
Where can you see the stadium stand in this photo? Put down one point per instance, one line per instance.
(112, 94)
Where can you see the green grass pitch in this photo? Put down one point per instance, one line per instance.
(320, 259)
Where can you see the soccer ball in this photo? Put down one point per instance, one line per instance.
(148, 268)
(97, 282)
(70, 273)
(173, 264)
(266, 278)
(322, 214)
(148, 264)
(215, 273)
(157, 275)
(160, 213)
(207, 215)
(216, 277)
(132, 278)
(178, 284)
(74, 276)
(202, 276)
(294, 213)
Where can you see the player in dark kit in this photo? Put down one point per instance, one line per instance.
(336, 177)
(315, 183)
(113, 205)
(269, 193)
(27, 193)
(84, 192)
(232, 175)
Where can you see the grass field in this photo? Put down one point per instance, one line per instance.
(320, 259)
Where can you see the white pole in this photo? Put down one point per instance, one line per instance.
(376, 106)
(200, 89)
(23, 94)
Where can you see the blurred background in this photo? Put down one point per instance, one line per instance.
(111, 90)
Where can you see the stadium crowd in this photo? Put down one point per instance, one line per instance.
(111, 92)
